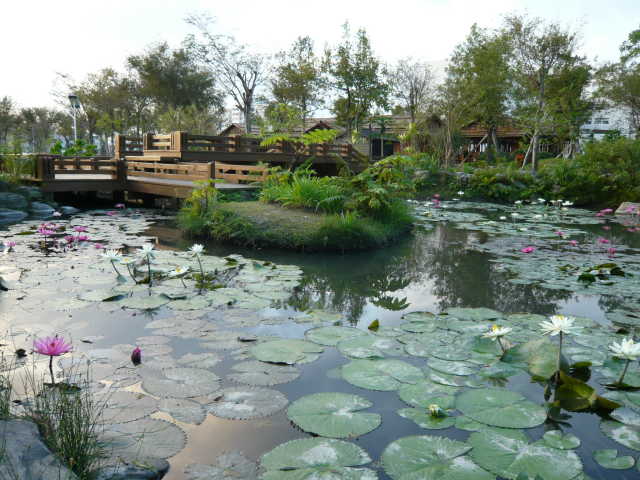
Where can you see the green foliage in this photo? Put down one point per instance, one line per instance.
(323, 194)
(14, 166)
(78, 148)
(198, 208)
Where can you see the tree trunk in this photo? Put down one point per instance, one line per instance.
(535, 144)
(491, 151)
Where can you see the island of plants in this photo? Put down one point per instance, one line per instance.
(299, 210)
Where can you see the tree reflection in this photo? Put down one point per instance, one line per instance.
(441, 261)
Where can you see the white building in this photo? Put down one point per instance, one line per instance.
(608, 120)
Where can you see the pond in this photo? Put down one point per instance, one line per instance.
(199, 351)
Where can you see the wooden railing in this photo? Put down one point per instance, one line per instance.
(240, 173)
(48, 166)
(127, 145)
(171, 171)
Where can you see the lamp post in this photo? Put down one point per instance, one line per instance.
(75, 106)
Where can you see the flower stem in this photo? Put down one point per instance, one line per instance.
(201, 274)
(149, 269)
(131, 274)
(114, 267)
(501, 345)
(624, 372)
(559, 357)
(53, 381)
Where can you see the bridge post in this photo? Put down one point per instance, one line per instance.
(147, 141)
(178, 141)
(119, 146)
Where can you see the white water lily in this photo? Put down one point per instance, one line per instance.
(537, 216)
(146, 250)
(567, 203)
(127, 260)
(627, 349)
(495, 332)
(460, 192)
(557, 324)
(518, 202)
(503, 218)
(196, 249)
(542, 200)
(514, 215)
(564, 209)
(178, 271)
(111, 255)
(435, 410)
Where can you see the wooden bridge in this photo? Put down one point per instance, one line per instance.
(171, 165)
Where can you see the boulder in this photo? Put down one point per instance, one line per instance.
(67, 210)
(13, 201)
(30, 193)
(628, 208)
(25, 456)
(11, 216)
(148, 469)
(41, 209)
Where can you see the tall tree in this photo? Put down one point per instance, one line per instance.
(540, 51)
(240, 71)
(8, 118)
(358, 77)
(297, 79)
(618, 84)
(173, 78)
(480, 67)
(413, 86)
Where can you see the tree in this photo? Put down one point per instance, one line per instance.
(241, 72)
(540, 51)
(173, 78)
(192, 119)
(297, 79)
(413, 86)
(279, 118)
(480, 67)
(618, 84)
(357, 76)
(8, 118)
(37, 127)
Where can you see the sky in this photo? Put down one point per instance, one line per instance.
(40, 38)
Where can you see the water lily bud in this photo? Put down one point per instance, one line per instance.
(136, 356)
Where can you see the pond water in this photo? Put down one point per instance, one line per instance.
(461, 256)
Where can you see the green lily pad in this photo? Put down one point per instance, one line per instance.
(380, 374)
(474, 314)
(309, 458)
(500, 408)
(510, 457)
(263, 374)
(198, 302)
(451, 367)
(333, 415)
(287, 351)
(421, 393)
(105, 295)
(627, 435)
(243, 403)
(183, 410)
(369, 346)
(181, 383)
(332, 335)
(608, 458)
(228, 466)
(424, 419)
(145, 302)
(430, 458)
(556, 439)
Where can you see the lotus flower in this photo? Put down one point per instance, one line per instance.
(528, 249)
(136, 356)
(627, 350)
(53, 347)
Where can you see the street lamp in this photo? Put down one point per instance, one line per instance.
(75, 106)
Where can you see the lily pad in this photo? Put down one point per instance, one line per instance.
(381, 374)
(316, 458)
(369, 346)
(556, 439)
(148, 437)
(123, 407)
(510, 457)
(228, 466)
(627, 435)
(424, 419)
(183, 410)
(181, 383)
(145, 302)
(333, 415)
(287, 351)
(608, 458)
(451, 367)
(430, 458)
(263, 374)
(421, 393)
(332, 335)
(474, 314)
(500, 408)
(244, 403)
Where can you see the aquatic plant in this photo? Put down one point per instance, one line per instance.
(528, 249)
(147, 252)
(113, 256)
(627, 350)
(558, 325)
(496, 333)
(9, 246)
(136, 356)
(196, 250)
(53, 347)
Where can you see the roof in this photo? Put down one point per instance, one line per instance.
(475, 130)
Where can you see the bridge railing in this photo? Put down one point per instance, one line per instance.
(170, 171)
(48, 166)
(240, 173)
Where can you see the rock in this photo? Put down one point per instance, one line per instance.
(30, 193)
(13, 201)
(25, 456)
(149, 469)
(11, 216)
(628, 208)
(41, 209)
(67, 210)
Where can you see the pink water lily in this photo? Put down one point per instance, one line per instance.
(573, 243)
(603, 240)
(82, 238)
(559, 233)
(79, 228)
(111, 213)
(53, 347)
(611, 252)
(98, 246)
(119, 205)
(136, 356)
(606, 227)
(529, 249)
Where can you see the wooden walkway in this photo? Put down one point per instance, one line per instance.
(172, 165)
